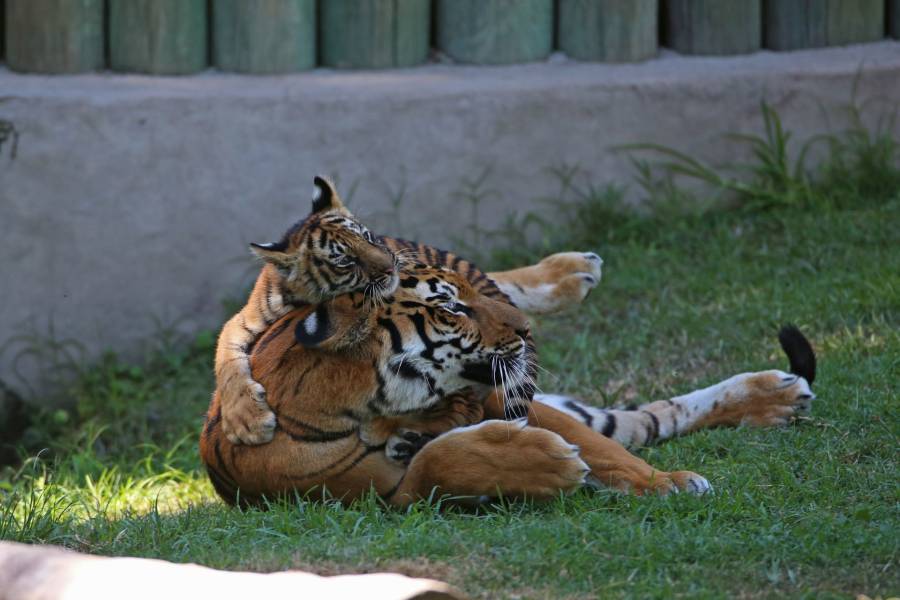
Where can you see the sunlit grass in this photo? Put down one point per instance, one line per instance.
(687, 299)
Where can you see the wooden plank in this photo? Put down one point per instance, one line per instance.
(264, 36)
(374, 34)
(54, 36)
(162, 37)
(854, 21)
(608, 30)
(713, 27)
(792, 24)
(494, 31)
(894, 18)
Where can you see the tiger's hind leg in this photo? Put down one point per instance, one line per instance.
(493, 458)
(767, 398)
(759, 399)
(557, 282)
(611, 465)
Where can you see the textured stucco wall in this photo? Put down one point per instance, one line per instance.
(133, 198)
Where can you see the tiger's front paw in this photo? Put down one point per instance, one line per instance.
(566, 279)
(668, 483)
(246, 418)
(404, 444)
(690, 482)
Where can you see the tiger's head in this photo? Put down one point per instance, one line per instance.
(435, 335)
(330, 253)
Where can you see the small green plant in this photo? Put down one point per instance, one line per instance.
(472, 193)
(9, 134)
(860, 163)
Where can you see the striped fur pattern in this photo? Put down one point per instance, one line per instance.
(761, 399)
(341, 377)
(330, 253)
(327, 254)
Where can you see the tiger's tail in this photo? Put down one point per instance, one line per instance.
(799, 352)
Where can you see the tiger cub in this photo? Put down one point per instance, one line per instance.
(327, 254)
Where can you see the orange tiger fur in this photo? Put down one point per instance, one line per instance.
(331, 253)
(426, 355)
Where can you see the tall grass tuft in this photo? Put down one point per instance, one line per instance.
(860, 164)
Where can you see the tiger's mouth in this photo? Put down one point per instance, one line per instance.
(383, 286)
(496, 371)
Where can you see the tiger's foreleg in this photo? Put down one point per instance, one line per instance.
(610, 463)
(407, 434)
(492, 459)
(760, 399)
(557, 282)
(246, 418)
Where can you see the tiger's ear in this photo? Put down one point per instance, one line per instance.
(335, 325)
(273, 252)
(325, 196)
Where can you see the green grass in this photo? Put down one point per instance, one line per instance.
(687, 299)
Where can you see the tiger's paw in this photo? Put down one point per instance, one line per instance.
(246, 418)
(690, 482)
(571, 277)
(557, 282)
(658, 482)
(536, 463)
(404, 444)
(764, 399)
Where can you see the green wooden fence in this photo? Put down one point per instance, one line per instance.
(793, 24)
(162, 37)
(374, 34)
(608, 30)
(177, 37)
(54, 36)
(894, 18)
(494, 31)
(264, 36)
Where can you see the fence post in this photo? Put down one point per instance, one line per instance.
(894, 18)
(608, 30)
(494, 31)
(264, 36)
(792, 24)
(162, 37)
(54, 36)
(713, 26)
(854, 21)
(374, 34)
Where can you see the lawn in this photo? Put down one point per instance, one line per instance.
(687, 299)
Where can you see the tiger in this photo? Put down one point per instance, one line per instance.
(342, 374)
(330, 253)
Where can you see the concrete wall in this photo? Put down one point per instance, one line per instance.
(133, 198)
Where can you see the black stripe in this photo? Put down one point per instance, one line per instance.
(609, 428)
(390, 493)
(217, 449)
(226, 489)
(574, 407)
(654, 430)
(330, 436)
(396, 339)
(271, 335)
(302, 378)
(212, 422)
(304, 425)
